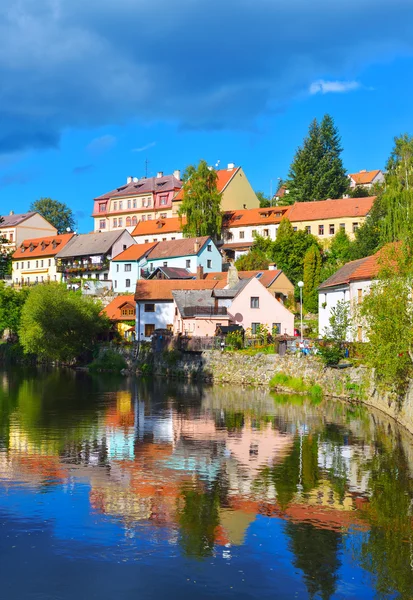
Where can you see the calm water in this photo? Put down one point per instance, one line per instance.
(118, 489)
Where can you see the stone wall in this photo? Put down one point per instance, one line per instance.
(354, 384)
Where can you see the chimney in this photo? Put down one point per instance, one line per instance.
(11, 213)
(129, 179)
(272, 267)
(135, 180)
(200, 272)
(232, 276)
(231, 167)
(196, 246)
(159, 174)
(177, 174)
(363, 171)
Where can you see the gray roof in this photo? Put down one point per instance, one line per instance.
(342, 276)
(13, 220)
(90, 243)
(193, 298)
(144, 185)
(172, 273)
(233, 291)
(183, 247)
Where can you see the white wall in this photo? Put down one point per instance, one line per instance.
(194, 261)
(248, 235)
(118, 275)
(347, 293)
(161, 318)
(158, 237)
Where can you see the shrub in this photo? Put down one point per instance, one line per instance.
(109, 361)
(235, 340)
(330, 354)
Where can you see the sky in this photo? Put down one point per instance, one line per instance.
(91, 90)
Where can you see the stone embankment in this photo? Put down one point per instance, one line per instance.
(355, 384)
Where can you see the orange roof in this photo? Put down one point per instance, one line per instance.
(364, 176)
(161, 289)
(161, 226)
(330, 209)
(135, 252)
(255, 216)
(113, 309)
(47, 246)
(224, 176)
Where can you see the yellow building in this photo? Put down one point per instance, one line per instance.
(35, 259)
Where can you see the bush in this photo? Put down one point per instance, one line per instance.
(109, 361)
(330, 354)
(235, 340)
(297, 384)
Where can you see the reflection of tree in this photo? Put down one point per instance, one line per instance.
(388, 548)
(198, 520)
(316, 554)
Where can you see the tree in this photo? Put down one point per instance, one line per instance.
(285, 229)
(5, 256)
(399, 166)
(289, 249)
(11, 304)
(201, 204)
(332, 350)
(368, 237)
(254, 260)
(360, 191)
(58, 214)
(317, 171)
(59, 324)
(312, 269)
(339, 251)
(263, 199)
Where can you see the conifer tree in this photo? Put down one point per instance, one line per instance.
(285, 229)
(312, 271)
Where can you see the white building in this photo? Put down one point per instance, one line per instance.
(366, 178)
(187, 253)
(126, 268)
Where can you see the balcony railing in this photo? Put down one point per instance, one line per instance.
(205, 311)
(82, 267)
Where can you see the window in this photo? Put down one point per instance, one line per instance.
(308, 229)
(116, 284)
(149, 329)
(266, 233)
(37, 264)
(127, 311)
(164, 200)
(331, 229)
(50, 262)
(28, 264)
(172, 238)
(163, 215)
(128, 267)
(146, 241)
(97, 276)
(41, 263)
(149, 217)
(155, 239)
(134, 203)
(105, 276)
(343, 226)
(209, 247)
(117, 268)
(115, 206)
(128, 221)
(129, 204)
(120, 221)
(143, 217)
(134, 221)
(255, 302)
(188, 264)
(22, 265)
(209, 264)
(164, 239)
(359, 296)
(321, 230)
(355, 227)
(359, 333)
(165, 263)
(102, 224)
(124, 246)
(127, 284)
(120, 204)
(254, 328)
(37, 279)
(115, 222)
(241, 235)
(102, 207)
(149, 308)
(276, 328)
(295, 228)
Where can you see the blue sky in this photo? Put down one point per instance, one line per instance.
(90, 90)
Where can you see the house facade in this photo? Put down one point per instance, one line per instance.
(88, 255)
(187, 253)
(147, 198)
(126, 268)
(158, 230)
(34, 261)
(273, 279)
(366, 178)
(121, 312)
(27, 226)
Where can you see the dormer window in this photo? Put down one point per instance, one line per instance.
(31, 248)
(54, 244)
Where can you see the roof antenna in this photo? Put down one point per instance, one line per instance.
(146, 168)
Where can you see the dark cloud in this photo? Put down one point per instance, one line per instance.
(202, 64)
(83, 169)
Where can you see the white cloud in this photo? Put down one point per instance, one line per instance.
(333, 87)
(143, 148)
(101, 144)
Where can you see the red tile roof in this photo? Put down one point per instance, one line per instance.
(161, 289)
(135, 252)
(173, 248)
(364, 177)
(330, 209)
(158, 226)
(255, 216)
(113, 309)
(224, 176)
(363, 269)
(343, 276)
(43, 246)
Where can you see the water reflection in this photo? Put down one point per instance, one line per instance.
(325, 490)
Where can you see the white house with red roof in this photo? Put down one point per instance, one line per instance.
(366, 178)
(34, 261)
(126, 268)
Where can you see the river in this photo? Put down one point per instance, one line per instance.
(115, 488)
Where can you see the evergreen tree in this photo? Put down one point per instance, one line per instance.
(312, 271)
(263, 199)
(317, 171)
(201, 202)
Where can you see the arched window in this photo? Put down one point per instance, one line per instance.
(128, 223)
(134, 221)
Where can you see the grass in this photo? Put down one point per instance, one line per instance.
(297, 384)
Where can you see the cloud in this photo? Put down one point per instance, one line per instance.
(17, 178)
(82, 169)
(101, 144)
(67, 64)
(143, 148)
(333, 87)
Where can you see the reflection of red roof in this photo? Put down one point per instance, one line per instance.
(224, 176)
(113, 309)
(330, 209)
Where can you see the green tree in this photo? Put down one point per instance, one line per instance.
(288, 252)
(312, 270)
(339, 250)
(368, 237)
(58, 324)
(332, 350)
(360, 191)
(11, 304)
(285, 229)
(317, 171)
(5, 256)
(57, 213)
(263, 199)
(399, 166)
(254, 260)
(201, 204)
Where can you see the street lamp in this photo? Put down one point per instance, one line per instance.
(301, 285)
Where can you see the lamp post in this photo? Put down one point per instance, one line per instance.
(301, 285)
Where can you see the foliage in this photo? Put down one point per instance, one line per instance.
(399, 166)
(57, 213)
(397, 222)
(11, 304)
(330, 354)
(109, 361)
(263, 199)
(254, 260)
(339, 250)
(331, 350)
(296, 384)
(312, 270)
(288, 252)
(201, 203)
(285, 229)
(368, 237)
(235, 340)
(360, 191)
(317, 171)
(262, 333)
(58, 324)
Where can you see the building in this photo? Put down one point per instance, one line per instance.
(148, 198)
(125, 268)
(88, 255)
(240, 227)
(273, 279)
(324, 218)
(34, 261)
(348, 284)
(158, 230)
(27, 226)
(365, 178)
(121, 311)
(188, 253)
(234, 187)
